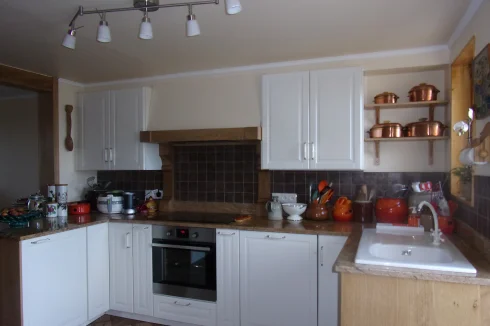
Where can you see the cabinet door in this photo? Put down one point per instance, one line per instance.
(285, 102)
(228, 277)
(336, 119)
(142, 268)
(98, 269)
(126, 121)
(187, 311)
(54, 279)
(93, 131)
(121, 267)
(328, 281)
(278, 279)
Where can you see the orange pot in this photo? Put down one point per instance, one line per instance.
(391, 210)
(342, 210)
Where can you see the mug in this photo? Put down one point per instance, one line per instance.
(62, 194)
(51, 209)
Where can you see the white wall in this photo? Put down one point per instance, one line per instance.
(480, 28)
(19, 141)
(233, 99)
(76, 180)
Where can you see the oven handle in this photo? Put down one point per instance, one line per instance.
(159, 245)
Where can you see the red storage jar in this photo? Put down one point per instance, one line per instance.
(391, 210)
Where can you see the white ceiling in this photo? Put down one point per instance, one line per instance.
(7, 92)
(265, 31)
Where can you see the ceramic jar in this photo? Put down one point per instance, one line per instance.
(316, 212)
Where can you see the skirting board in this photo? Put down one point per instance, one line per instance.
(148, 319)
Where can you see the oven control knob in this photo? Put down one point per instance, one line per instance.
(169, 233)
(195, 235)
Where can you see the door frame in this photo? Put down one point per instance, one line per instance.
(47, 87)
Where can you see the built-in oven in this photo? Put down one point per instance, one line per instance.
(184, 262)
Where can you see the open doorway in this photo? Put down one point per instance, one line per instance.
(28, 133)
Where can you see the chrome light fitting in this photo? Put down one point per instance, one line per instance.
(146, 30)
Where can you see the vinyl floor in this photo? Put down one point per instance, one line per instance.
(107, 320)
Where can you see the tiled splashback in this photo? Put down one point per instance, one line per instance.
(346, 183)
(478, 217)
(220, 173)
(135, 181)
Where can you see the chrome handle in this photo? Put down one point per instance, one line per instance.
(128, 244)
(110, 155)
(305, 151)
(312, 151)
(321, 256)
(105, 154)
(159, 245)
(221, 233)
(182, 304)
(275, 238)
(146, 228)
(41, 241)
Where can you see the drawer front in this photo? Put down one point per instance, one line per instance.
(184, 310)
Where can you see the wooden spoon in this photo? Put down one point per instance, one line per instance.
(68, 139)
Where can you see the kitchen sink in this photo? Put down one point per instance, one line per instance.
(410, 248)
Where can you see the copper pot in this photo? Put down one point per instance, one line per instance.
(386, 130)
(425, 128)
(423, 92)
(386, 97)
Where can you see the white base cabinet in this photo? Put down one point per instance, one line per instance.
(228, 277)
(98, 269)
(185, 310)
(54, 279)
(278, 279)
(142, 270)
(329, 248)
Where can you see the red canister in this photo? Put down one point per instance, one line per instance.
(391, 210)
(78, 208)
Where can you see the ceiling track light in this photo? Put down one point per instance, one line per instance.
(192, 27)
(146, 31)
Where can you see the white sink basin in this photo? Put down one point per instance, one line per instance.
(410, 248)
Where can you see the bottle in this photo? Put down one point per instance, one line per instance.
(414, 218)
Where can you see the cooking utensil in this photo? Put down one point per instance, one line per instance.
(386, 130)
(68, 139)
(386, 97)
(322, 185)
(424, 128)
(423, 92)
(326, 197)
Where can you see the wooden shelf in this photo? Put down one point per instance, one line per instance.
(406, 105)
(406, 139)
(430, 140)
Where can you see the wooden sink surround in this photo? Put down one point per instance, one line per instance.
(168, 139)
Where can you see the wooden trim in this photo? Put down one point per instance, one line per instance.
(195, 135)
(406, 139)
(16, 77)
(407, 105)
(10, 283)
(56, 131)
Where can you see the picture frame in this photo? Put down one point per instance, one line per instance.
(481, 83)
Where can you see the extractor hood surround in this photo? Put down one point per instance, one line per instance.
(202, 135)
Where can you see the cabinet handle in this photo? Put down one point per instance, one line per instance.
(321, 256)
(41, 241)
(312, 151)
(146, 228)
(110, 155)
(182, 304)
(128, 239)
(105, 154)
(275, 238)
(221, 233)
(305, 151)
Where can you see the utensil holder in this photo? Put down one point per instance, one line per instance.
(316, 212)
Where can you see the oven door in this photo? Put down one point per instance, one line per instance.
(184, 269)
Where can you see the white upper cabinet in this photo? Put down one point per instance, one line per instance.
(336, 115)
(313, 120)
(109, 129)
(285, 102)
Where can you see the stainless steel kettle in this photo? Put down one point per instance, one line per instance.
(274, 209)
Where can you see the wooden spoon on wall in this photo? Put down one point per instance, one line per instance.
(68, 139)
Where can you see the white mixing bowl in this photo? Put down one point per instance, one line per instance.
(294, 210)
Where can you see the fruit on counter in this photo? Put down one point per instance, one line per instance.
(243, 218)
(13, 211)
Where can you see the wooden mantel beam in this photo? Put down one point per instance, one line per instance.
(195, 135)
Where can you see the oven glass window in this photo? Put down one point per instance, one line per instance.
(186, 267)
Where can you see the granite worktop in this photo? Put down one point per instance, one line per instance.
(47, 226)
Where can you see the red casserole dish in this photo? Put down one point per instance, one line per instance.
(78, 208)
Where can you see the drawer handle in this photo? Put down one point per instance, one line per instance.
(321, 256)
(221, 233)
(275, 238)
(182, 304)
(41, 241)
(128, 239)
(305, 150)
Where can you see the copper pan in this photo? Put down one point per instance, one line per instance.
(423, 92)
(424, 128)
